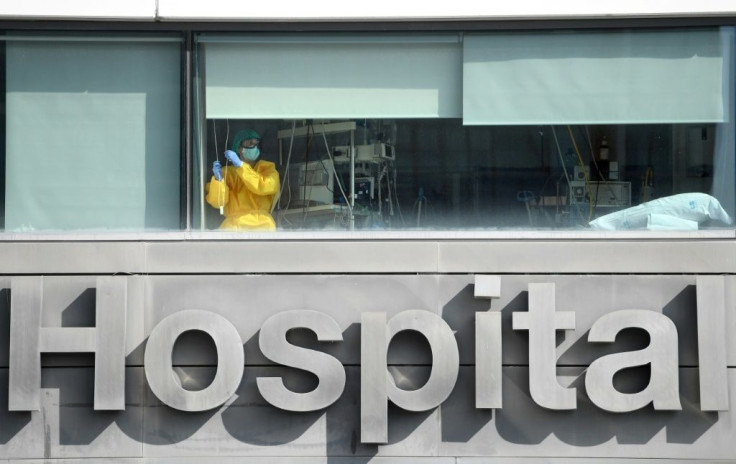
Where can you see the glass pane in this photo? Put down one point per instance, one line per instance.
(92, 142)
(438, 174)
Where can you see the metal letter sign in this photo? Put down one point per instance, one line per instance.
(542, 321)
(28, 340)
(376, 384)
(230, 360)
(488, 361)
(328, 370)
(661, 355)
(712, 343)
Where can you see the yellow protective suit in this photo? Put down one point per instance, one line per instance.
(247, 194)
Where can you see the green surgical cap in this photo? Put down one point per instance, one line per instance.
(245, 134)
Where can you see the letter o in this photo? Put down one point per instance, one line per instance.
(159, 369)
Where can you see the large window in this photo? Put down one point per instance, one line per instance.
(92, 133)
(623, 129)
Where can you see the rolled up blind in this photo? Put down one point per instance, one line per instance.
(594, 77)
(333, 77)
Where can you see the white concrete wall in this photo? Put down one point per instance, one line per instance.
(334, 10)
(651, 256)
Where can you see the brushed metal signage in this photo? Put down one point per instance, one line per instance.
(29, 339)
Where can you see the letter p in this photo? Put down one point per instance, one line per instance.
(377, 385)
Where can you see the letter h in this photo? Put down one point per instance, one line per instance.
(28, 340)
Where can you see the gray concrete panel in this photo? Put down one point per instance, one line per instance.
(246, 460)
(67, 426)
(300, 460)
(528, 460)
(70, 257)
(589, 297)
(248, 426)
(248, 301)
(291, 256)
(79, 461)
(239, 460)
(524, 429)
(588, 256)
(421, 255)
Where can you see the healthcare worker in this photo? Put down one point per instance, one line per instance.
(247, 188)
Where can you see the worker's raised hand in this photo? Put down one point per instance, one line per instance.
(217, 170)
(233, 158)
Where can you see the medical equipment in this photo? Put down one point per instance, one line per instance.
(372, 152)
(311, 183)
(603, 194)
(364, 188)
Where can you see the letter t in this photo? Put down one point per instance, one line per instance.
(542, 322)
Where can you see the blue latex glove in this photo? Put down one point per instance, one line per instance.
(233, 158)
(217, 170)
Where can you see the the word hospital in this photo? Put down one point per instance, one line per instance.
(28, 340)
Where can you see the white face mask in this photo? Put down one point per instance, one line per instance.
(250, 154)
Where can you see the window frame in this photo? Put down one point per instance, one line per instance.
(187, 33)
